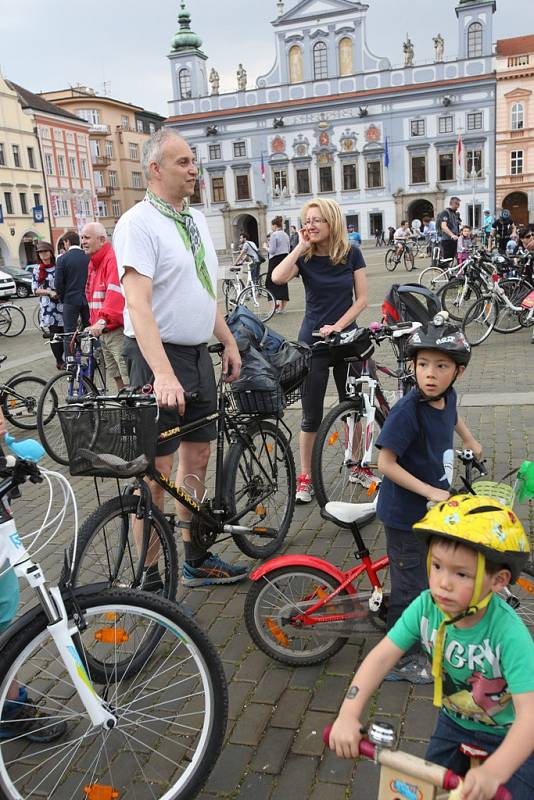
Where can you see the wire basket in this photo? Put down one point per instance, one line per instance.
(502, 492)
(293, 376)
(256, 401)
(121, 430)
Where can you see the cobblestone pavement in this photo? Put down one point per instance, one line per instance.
(274, 747)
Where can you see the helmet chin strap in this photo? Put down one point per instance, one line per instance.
(476, 604)
(426, 398)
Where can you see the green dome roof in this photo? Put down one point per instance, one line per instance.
(185, 38)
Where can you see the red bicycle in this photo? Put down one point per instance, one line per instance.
(301, 609)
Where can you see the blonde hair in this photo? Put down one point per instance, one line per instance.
(338, 246)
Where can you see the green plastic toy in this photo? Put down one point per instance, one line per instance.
(525, 479)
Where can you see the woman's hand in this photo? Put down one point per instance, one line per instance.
(304, 241)
(326, 330)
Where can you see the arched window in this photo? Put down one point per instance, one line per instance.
(320, 61)
(184, 79)
(345, 56)
(474, 40)
(518, 118)
(295, 64)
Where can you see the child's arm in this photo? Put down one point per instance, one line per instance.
(345, 734)
(389, 466)
(3, 426)
(482, 782)
(467, 438)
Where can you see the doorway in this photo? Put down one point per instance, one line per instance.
(517, 205)
(420, 209)
(248, 225)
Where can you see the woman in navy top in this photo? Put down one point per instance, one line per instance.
(335, 283)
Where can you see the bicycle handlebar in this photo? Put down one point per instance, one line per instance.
(448, 780)
(126, 397)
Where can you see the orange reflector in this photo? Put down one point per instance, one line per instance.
(526, 585)
(277, 632)
(269, 447)
(98, 792)
(260, 510)
(111, 616)
(372, 489)
(12, 402)
(333, 439)
(260, 530)
(112, 636)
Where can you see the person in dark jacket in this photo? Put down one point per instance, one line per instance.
(71, 277)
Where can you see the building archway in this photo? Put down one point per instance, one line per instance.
(27, 251)
(420, 209)
(517, 205)
(5, 253)
(246, 223)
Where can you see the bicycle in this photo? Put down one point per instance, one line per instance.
(19, 398)
(254, 295)
(129, 692)
(83, 362)
(408, 776)
(507, 307)
(344, 444)
(255, 483)
(437, 276)
(393, 257)
(12, 320)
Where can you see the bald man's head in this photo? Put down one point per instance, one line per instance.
(93, 237)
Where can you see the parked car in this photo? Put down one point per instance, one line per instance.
(7, 285)
(23, 280)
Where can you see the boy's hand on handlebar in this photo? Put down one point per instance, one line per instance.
(437, 495)
(472, 444)
(345, 737)
(169, 392)
(479, 784)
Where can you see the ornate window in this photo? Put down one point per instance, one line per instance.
(350, 176)
(303, 180)
(446, 166)
(345, 56)
(474, 121)
(326, 179)
(474, 40)
(445, 124)
(242, 187)
(418, 169)
(374, 174)
(518, 116)
(473, 162)
(320, 61)
(295, 64)
(184, 79)
(218, 191)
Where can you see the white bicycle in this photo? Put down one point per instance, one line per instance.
(104, 693)
(259, 300)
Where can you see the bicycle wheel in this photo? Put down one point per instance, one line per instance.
(259, 301)
(515, 290)
(390, 260)
(18, 321)
(36, 317)
(433, 278)
(5, 320)
(260, 487)
(456, 297)
(231, 293)
(520, 596)
(171, 709)
(107, 550)
(479, 320)
(338, 448)
(62, 387)
(409, 260)
(20, 398)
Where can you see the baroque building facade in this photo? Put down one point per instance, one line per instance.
(332, 119)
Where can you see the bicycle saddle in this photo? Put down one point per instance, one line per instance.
(346, 514)
(107, 462)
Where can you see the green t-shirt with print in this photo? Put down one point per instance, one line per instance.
(483, 666)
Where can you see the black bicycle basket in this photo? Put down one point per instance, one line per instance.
(121, 430)
(294, 361)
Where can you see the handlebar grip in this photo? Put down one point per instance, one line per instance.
(366, 748)
(190, 397)
(502, 794)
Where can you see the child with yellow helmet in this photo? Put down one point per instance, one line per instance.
(482, 653)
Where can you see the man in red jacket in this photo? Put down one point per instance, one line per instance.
(106, 301)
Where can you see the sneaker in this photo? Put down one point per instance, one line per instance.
(414, 669)
(151, 580)
(304, 489)
(213, 570)
(21, 718)
(363, 476)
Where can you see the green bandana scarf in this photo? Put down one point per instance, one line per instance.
(190, 235)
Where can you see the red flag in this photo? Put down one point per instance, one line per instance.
(459, 148)
(262, 169)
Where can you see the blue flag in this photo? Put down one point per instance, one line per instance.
(386, 154)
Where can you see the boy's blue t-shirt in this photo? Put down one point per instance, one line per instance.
(483, 666)
(329, 290)
(421, 437)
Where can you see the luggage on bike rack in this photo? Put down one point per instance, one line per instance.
(410, 302)
(121, 430)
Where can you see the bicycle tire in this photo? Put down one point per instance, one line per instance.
(48, 424)
(516, 290)
(433, 278)
(269, 602)
(520, 596)
(331, 478)
(5, 321)
(28, 389)
(246, 482)
(455, 300)
(171, 716)
(259, 301)
(36, 317)
(390, 260)
(481, 316)
(231, 294)
(18, 321)
(409, 260)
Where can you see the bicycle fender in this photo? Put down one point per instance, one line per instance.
(17, 374)
(301, 561)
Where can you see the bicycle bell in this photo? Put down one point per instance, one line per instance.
(382, 734)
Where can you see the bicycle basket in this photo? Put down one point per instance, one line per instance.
(123, 431)
(258, 401)
(502, 492)
(294, 361)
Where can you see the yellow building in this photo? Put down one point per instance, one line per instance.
(117, 133)
(23, 208)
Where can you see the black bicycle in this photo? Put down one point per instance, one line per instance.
(19, 397)
(255, 481)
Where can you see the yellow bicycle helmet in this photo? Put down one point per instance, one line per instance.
(490, 528)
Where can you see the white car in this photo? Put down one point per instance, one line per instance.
(7, 285)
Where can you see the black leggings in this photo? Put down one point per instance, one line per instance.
(316, 382)
(56, 347)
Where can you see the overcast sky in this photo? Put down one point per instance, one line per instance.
(51, 44)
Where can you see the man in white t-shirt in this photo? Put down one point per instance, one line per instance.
(401, 235)
(168, 269)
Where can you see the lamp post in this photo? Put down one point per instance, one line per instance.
(473, 175)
